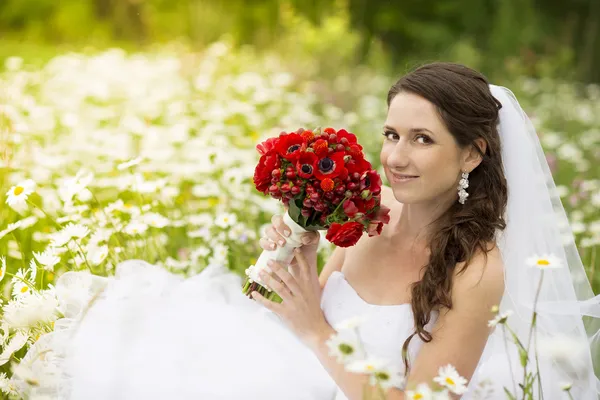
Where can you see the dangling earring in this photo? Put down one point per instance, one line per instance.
(462, 185)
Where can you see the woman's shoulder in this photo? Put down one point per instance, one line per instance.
(484, 273)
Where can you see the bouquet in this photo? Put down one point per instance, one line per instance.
(326, 183)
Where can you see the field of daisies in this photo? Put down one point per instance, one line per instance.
(113, 156)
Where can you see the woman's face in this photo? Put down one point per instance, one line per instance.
(421, 159)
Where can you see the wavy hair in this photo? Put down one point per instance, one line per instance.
(469, 111)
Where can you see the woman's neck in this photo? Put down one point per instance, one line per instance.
(415, 222)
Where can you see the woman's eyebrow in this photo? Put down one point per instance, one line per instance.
(412, 130)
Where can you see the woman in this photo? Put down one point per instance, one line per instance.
(470, 197)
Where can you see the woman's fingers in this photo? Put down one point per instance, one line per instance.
(280, 226)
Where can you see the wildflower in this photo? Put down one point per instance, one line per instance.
(17, 195)
(546, 261)
(422, 392)
(381, 371)
(10, 228)
(344, 348)
(448, 377)
(48, 259)
(500, 318)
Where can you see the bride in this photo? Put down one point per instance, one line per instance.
(426, 285)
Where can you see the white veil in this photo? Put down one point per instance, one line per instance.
(568, 320)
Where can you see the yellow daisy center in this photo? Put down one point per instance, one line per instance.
(543, 262)
(417, 396)
(449, 381)
(19, 190)
(24, 289)
(370, 368)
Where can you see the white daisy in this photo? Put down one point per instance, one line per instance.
(422, 392)
(20, 285)
(155, 220)
(176, 264)
(382, 372)
(7, 386)
(344, 348)
(10, 228)
(225, 220)
(448, 377)
(48, 259)
(29, 311)
(18, 194)
(135, 228)
(14, 344)
(545, 261)
(27, 222)
(96, 254)
(443, 395)
(500, 318)
(78, 231)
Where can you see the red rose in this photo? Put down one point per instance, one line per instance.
(306, 164)
(330, 166)
(289, 146)
(345, 235)
(263, 170)
(267, 146)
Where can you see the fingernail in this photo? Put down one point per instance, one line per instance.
(287, 233)
(272, 245)
(269, 262)
(305, 240)
(281, 242)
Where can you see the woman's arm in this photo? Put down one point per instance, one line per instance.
(459, 334)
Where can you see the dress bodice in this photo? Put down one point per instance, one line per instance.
(386, 326)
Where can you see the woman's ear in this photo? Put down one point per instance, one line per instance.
(473, 154)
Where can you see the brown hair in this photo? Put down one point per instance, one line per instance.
(469, 111)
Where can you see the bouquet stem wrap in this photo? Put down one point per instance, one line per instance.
(283, 255)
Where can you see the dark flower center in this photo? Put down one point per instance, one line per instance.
(326, 164)
(367, 182)
(293, 148)
(382, 376)
(307, 169)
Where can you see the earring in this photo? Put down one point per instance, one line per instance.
(462, 185)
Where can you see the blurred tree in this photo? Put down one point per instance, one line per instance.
(534, 36)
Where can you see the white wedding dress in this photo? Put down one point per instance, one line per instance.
(150, 334)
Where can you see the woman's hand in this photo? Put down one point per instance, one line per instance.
(299, 289)
(279, 231)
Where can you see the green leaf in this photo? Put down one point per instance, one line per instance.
(523, 357)
(295, 211)
(509, 394)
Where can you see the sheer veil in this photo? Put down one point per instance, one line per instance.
(568, 314)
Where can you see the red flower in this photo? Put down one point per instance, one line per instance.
(345, 235)
(308, 136)
(360, 166)
(289, 146)
(381, 215)
(263, 170)
(350, 208)
(329, 131)
(327, 185)
(321, 147)
(342, 133)
(356, 151)
(375, 228)
(371, 181)
(330, 166)
(306, 164)
(267, 146)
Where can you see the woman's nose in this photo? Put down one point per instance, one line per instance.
(399, 157)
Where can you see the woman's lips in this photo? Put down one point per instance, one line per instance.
(403, 178)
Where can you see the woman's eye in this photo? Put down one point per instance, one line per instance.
(390, 135)
(423, 139)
